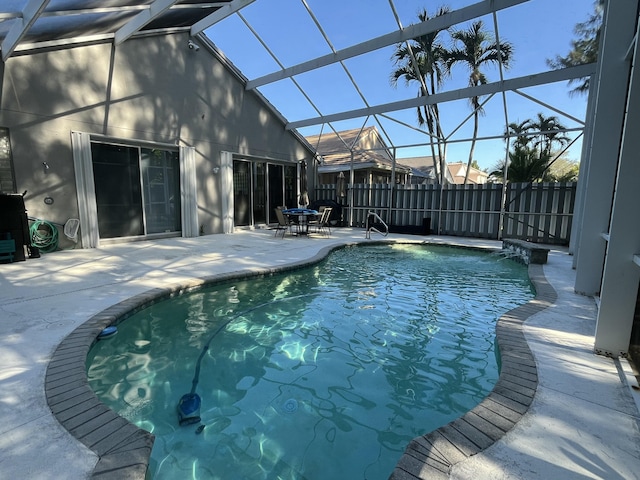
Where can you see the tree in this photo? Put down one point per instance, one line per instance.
(584, 47)
(519, 131)
(532, 157)
(525, 165)
(477, 50)
(564, 170)
(422, 60)
(549, 132)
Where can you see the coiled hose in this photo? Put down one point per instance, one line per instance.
(44, 235)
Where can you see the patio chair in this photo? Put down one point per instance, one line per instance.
(283, 222)
(322, 224)
(314, 222)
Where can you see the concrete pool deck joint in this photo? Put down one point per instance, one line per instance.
(123, 450)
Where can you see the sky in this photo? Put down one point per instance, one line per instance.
(537, 29)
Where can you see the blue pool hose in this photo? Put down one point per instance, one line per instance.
(189, 403)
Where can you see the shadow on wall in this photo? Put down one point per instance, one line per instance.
(153, 89)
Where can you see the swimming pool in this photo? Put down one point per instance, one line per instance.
(329, 373)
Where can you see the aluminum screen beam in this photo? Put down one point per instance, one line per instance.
(156, 9)
(437, 23)
(220, 14)
(462, 93)
(20, 27)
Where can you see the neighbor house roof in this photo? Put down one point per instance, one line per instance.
(424, 166)
(458, 171)
(369, 151)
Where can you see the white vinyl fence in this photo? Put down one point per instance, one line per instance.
(538, 212)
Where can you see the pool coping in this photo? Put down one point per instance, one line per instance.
(123, 449)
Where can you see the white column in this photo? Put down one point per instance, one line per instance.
(85, 189)
(226, 190)
(188, 192)
(578, 209)
(613, 74)
(621, 275)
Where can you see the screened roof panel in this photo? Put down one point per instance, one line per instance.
(297, 107)
(255, 65)
(326, 64)
(347, 23)
(47, 29)
(74, 19)
(291, 35)
(331, 90)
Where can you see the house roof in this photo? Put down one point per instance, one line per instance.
(332, 143)
(369, 151)
(458, 171)
(418, 162)
(423, 167)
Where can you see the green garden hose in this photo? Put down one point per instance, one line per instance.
(44, 235)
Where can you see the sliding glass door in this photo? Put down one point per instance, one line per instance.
(137, 190)
(290, 186)
(259, 187)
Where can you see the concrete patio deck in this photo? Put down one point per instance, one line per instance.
(583, 421)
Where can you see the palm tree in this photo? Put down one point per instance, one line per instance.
(525, 165)
(519, 131)
(549, 132)
(422, 60)
(530, 159)
(477, 50)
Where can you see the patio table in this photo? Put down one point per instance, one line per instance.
(302, 215)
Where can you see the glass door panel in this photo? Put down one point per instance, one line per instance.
(290, 182)
(161, 187)
(241, 193)
(260, 193)
(276, 191)
(116, 174)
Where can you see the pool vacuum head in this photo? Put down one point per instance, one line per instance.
(189, 409)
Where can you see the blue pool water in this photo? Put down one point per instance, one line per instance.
(324, 372)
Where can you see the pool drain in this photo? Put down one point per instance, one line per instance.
(290, 405)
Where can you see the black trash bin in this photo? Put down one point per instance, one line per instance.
(14, 222)
(426, 226)
(424, 229)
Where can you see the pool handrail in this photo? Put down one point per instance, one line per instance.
(371, 227)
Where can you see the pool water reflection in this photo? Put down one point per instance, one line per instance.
(324, 372)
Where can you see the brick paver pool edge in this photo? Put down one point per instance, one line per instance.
(431, 456)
